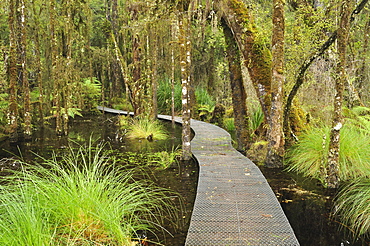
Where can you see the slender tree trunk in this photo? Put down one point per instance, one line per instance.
(68, 69)
(238, 91)
(117, 88)
(136, 75)
(361, 76)
(55, 68)
(275, 134)
(38, 65)
(154, 79)
(185, 46)
(13, 94)
(174, 27)
(23, 70)
(333, 157)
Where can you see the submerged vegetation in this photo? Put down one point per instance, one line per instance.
(81, 198)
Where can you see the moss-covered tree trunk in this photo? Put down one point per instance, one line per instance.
(136, 75)
(275, 134)
(55, 68)
(38, 63)
(185, 51)
(154, 75)
(173, 67)
(256, 56)
(12, 68)
(237, 89)
(23, 73)
(340, 77)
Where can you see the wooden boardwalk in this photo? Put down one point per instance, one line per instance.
(234, 204)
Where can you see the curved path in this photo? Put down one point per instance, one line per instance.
(234, 204)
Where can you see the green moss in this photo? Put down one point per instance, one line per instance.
(242, 13)
(257, 152)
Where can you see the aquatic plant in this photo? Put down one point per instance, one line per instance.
(142, 128)
(164, 159)
(353, 206)
(79, 199)
(309, 156)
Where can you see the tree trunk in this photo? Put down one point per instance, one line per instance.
(154, 79)
(333, 156)
(23, 70)
(275, 134)
(38, 65)
(360, 72)
(257, 58)
(55, 68)
(184, 41)
(13, 94)
(238, 91)
(136, 75)
(173, 82)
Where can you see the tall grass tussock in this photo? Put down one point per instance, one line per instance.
(309, 156)
(353, 206)
(81, 198)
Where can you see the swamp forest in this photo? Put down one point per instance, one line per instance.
(289, 79)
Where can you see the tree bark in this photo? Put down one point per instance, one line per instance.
(174, 37)
(185, 46)
(55, 68)
(275, 134)
(238, 91)
(38, 65)
(23, 70)
(13, 94)
(154, 77)
(257, 58)
(136, 75)
(334, 148)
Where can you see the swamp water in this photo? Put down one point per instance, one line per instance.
(181, 178)
(308, 207)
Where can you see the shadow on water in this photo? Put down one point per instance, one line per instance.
(308, 207)
(181, 178)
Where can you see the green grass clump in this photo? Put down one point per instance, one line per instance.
(78, 199)
(164, 159)
(145, 128)
(353, 206)
(309, 156)
(229, 124)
